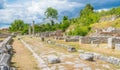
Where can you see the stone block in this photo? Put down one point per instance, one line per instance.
(114, 60)
(87, 56)
(52, 59)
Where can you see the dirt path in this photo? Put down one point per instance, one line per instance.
(22, 58)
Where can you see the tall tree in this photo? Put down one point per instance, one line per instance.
(88, 16)
(51, 14)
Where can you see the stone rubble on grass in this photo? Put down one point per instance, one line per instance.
(52, 59)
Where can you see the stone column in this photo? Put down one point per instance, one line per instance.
(33, 28)
(29, 30)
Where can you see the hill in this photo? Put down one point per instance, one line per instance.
(90, 20)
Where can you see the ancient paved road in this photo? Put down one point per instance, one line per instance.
(68, 61)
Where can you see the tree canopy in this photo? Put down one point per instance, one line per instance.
(18, 26)
(51, 13)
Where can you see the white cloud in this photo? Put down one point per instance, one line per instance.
(104, 9)
(34, 10)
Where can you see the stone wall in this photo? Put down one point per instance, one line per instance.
(93, 40)
(6, 54)
(72, 39)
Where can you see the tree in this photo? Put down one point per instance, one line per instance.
(65, 23)
(88, 16)
(18, 26)
(51, 14)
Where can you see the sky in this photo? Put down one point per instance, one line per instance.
(29, 10)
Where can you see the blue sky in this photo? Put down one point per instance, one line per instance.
(29, 10)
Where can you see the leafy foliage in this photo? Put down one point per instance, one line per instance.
(18, 26)
(51, 13)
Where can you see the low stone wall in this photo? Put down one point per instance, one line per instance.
(109, 59)
(68, 47)
(72, 39)
(59, 38)
(6, 54)
(93, 40)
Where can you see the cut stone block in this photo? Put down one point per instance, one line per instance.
(87, 56)
(52, 59)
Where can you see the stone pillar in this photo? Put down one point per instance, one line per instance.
(29, 30)
(33, 28)
(80, 40)
(110, 43)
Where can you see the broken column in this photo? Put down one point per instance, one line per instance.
(29, 30)
(33, 28)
